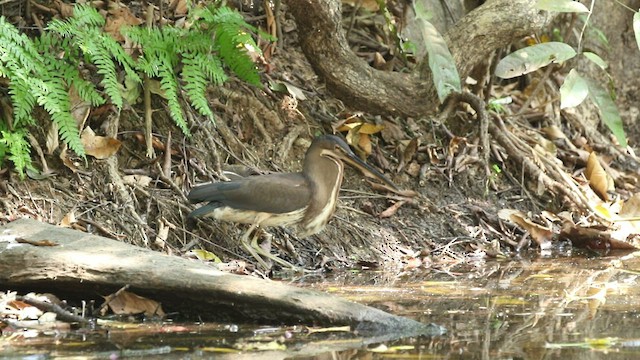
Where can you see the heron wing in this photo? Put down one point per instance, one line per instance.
(273, 193)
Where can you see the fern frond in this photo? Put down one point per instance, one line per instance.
(16, 49)
(22, 98)
(169, 84)
(103, 51)
(67, 68)
(16, 145)
(107, 68)
(233, 40)
(196, 83)
(195, 41)
(120, 56)
(57, 103)
(212, 67)
(159, 58)
(86, 16)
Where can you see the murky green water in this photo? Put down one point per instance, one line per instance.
(537, 309)
(568, 308)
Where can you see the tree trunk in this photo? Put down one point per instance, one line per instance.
(495, 24)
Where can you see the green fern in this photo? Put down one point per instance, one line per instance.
(84, 30)
(159, 59)
(15, 145)
(20, 61)
(32, 81)
(233, 40)
(198, 68)
(164, 49)
(38, 76)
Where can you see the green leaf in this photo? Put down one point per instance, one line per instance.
(574, 90)
(441, 63)
(636, 27)
(608, 111)
(561, 6)
(596, 59)
(533, 58)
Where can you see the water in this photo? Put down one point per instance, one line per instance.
(566, 308)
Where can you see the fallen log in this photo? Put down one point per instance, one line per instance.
(78, 265)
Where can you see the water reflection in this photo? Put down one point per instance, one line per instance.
(535, 309)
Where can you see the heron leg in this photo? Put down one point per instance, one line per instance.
(249, 246)
(257, 248)
(258, 253)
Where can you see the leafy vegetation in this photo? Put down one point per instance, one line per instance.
(36, 78)
(44, 70)
(576, 87)
(164, 49)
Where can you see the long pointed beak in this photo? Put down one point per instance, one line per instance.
(368, 170)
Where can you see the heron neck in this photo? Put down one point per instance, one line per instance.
(325, 177)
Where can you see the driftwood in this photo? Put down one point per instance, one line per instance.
(81, 266)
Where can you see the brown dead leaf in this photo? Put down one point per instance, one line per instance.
(599, 180)
(379, 62)
(364, 143)
(631, 207)
(80, 109)
(51, 139)
(413, 169)
(181, 7)
(118, 18)
(142, 180)
(594, 238)
(128, 303)
(68, 219)
(66, 10)
(155, 142)
(18, 304)
(540, 234)
(358, 133)
(408, 153)
(66, 160)
(455, 144)
(628, 225)
(392, 210)
(370, 129)
(100, 147)
(43, 242)
(553, 133)
(392, 132)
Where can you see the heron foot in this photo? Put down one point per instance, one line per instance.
(259, 254)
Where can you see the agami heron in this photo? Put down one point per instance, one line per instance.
(306, 199)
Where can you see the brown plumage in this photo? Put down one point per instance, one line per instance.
(306, 199)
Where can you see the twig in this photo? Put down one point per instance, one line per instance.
(61, 313)
(171, 183)
(101, 228)
(148, 118)
(166, 164)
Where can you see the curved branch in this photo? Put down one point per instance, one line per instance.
(492, 25)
